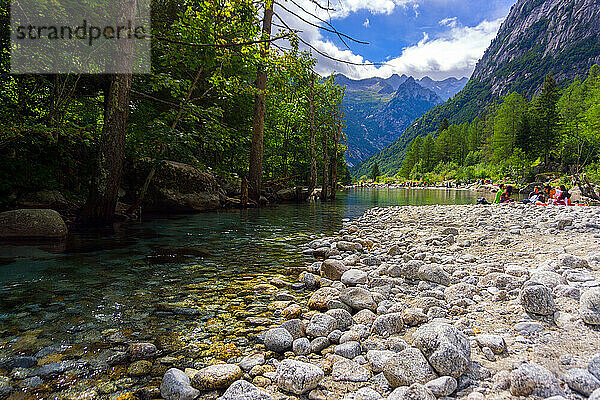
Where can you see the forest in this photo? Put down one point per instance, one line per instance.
(556, 133)
(213, 69)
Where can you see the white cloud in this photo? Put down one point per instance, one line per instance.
(367, 23)
(451, 22)
(453, 53)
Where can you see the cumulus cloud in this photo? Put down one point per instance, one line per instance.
(455, 52)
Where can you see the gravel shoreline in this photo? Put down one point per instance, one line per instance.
(433, 302)
(415, 302)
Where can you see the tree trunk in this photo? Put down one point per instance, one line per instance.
(325, 167)
(334, 159)
(244, 191)
(313, 156)
(256, 151)
(104, 193)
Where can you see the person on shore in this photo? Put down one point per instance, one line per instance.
(564, 198)
(533, 197)
(499, 193)
(505, 197)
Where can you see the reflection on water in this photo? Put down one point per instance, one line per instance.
(169, 279)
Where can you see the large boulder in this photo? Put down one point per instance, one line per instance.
(44, 199)
(32, 224)
(176, 187)
(297, 377)
(447, 349)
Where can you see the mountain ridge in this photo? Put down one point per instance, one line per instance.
(537, 38)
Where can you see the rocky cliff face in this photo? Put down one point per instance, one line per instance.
(540, 37)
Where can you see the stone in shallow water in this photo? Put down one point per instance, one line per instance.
(297, 377)
(408, 367)
(243, 390)
(175, 385)
(139, 368)
(218, 376)
(141, 351)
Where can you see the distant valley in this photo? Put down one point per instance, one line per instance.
(378, 110)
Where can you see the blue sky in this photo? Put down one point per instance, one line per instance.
(438, 38)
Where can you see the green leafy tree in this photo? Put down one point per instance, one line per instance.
(546, 116)
(375, 172)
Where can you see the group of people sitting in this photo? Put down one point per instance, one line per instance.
(540, 195)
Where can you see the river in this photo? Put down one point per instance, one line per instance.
(175, 281)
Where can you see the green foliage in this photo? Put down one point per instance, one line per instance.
(562, 129)
(375, 172)
(196, 107)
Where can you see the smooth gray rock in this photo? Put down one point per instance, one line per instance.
(581, 381)
(32, 224)
(321, 325)
(447, 349)
(243, 390)
(295, 327)
(278, 340)
(358, 298)
(342, 317)
(537, 299)
(494, 342)
(413, 392)
(318, 344)
(434, 273)
(348, 350)
(354, 277)
(301, 347)
(351, 371)
(176, 385)
(388, 324)
(408, 367)
(589, 306)
(251, 361)
(442, 386)
(297, 377)
(533, 380)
